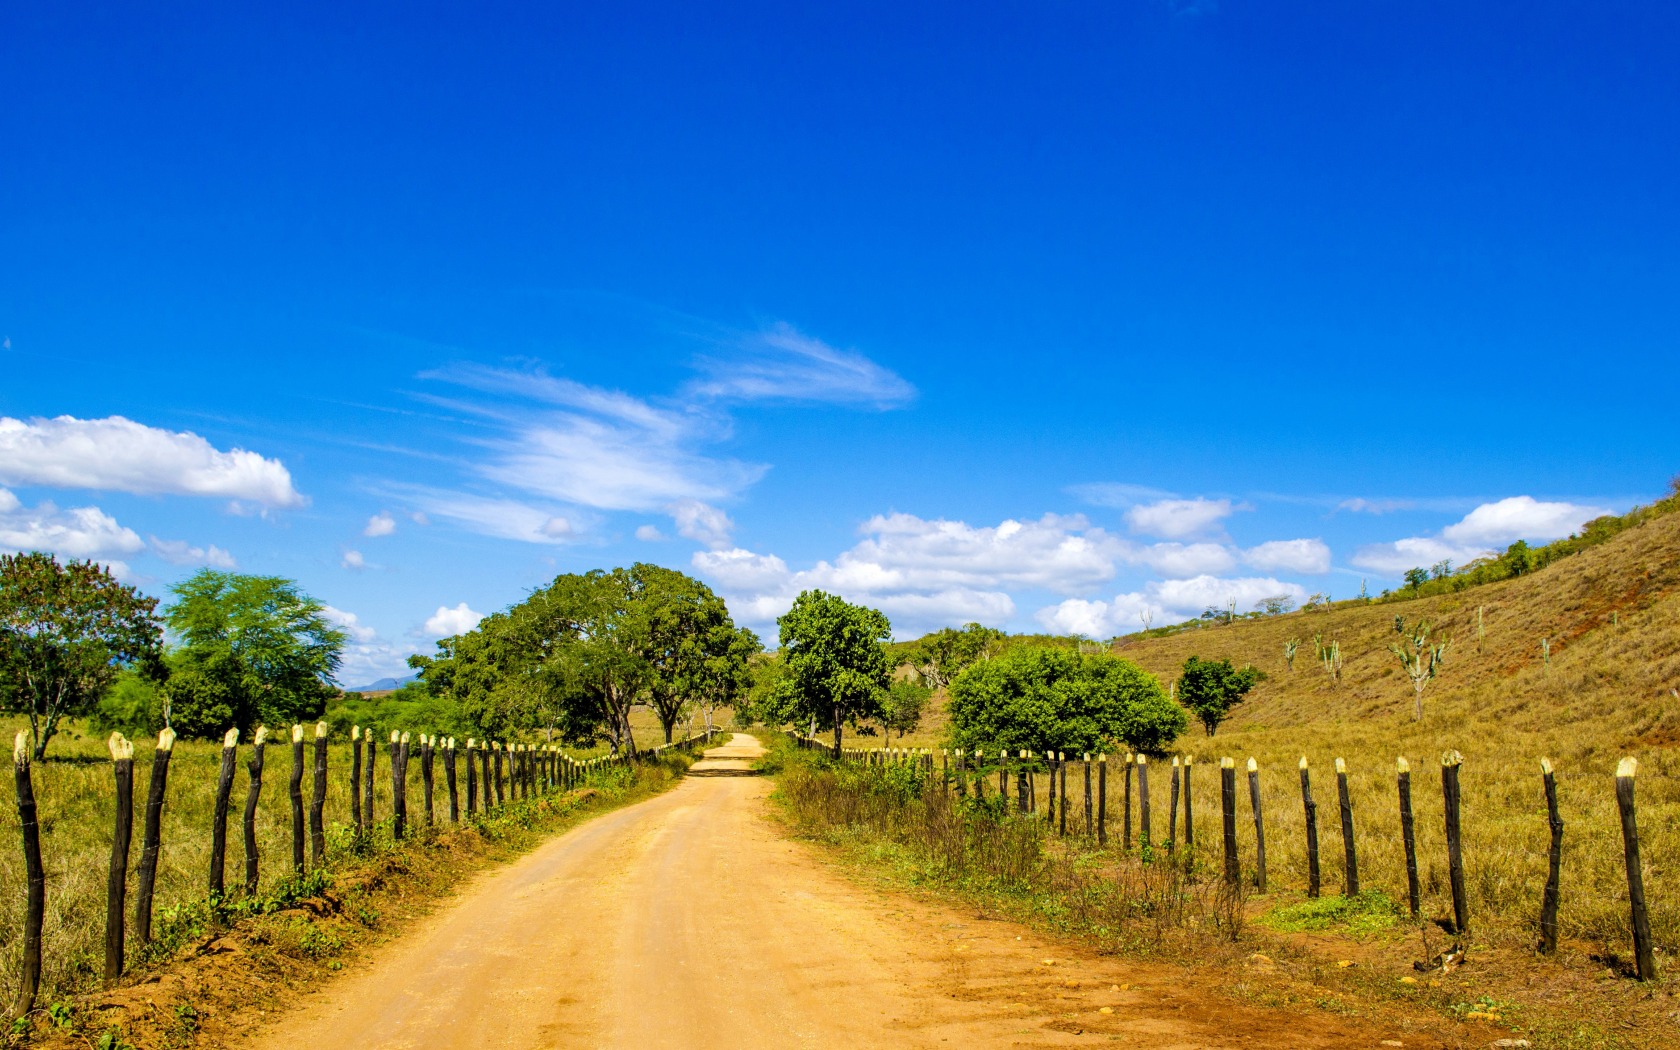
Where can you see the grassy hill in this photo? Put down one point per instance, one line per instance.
(1612, 615)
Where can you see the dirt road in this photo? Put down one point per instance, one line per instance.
(688, 921)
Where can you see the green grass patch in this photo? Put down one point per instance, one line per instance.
(1366, 913)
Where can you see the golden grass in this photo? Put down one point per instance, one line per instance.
(74, 790)
(1613, 616)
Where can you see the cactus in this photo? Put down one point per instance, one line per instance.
(1481, 629)
(1148, 617)
(1421, 660)
(1289, 648)
(1332, 660)
(1546, 652)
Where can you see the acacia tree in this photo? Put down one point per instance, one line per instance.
(835, 668)
(726, 677)
(906, 701)
(942, 655)
(252, 649)
(65, 632)
(1210, 688)
(690, 643)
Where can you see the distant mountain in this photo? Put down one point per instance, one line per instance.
(384, 685)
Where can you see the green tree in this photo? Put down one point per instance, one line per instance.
(835, 666)
(726, 679)
(1416, 578)
(1210, 688)
(65, 633)
(685, 621)
(906, 701)
(1053, 699)
(251, 650)
(1518, 558)
(942, 655)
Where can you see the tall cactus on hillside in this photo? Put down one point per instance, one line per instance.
(1421, 660)
(1289, 648)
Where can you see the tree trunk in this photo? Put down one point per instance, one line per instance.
(836, 730)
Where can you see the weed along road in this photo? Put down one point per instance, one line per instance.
(690, 921)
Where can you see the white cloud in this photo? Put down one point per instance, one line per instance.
(781, 363)
(419, 517)
(1359, 505)
(1168, 601)
(381, 524)
(1414, 552)
(926, 573)
(370, 661)
(1180, 560)
(80, 532)
(504, 518)
(1177, 519)
(180, 552)
(1308, 556)
(1520, 518)
(447, 622)
(359, 632)
(1186, 598)
(702, 522)
(121, 455)
(1099, 619)
(1479, 534)
(649, 533)
(353, 560)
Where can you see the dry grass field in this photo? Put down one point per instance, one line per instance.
(75, 796)
(1612, 614)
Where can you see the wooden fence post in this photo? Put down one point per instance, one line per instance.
(367, 782)
(218, 819)
(501, 783)
(1172, 808)
(1450, 763)
(1102, 800)
(1259, 826)
(1061, 773)
(1644, 959)
(318, 799)
(1350, 855)
(1050, 789)
(1408, 836)
(152, 838)
(116, 884)
(1189, 819)
(1023, 785)
(1144, 839)
(472, 780)
(356, 780)
(1126, 825)
(254, 772)
(962, 775)
(1228, 812)
(1088, 815)
(35, 909)
(449, 781)
(1554, 863)
(294, 790)
(399, 788)
(1311, 810)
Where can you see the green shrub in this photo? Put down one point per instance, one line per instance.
(1053, 699)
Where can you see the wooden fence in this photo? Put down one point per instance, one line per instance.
(976, 772)
(492, 773)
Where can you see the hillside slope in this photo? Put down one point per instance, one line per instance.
(1612, 614)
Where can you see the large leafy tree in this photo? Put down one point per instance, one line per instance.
(1210, 688)
(685, 621)
(250, 649)
(1052, 699)
(944, 654)
(835, 668)
(65, 633)
(726, 678)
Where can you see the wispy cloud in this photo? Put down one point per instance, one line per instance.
(781, 363)
(547, 449)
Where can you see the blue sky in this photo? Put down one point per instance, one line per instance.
(1043, 315)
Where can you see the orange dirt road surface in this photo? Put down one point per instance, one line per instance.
(689, 921)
